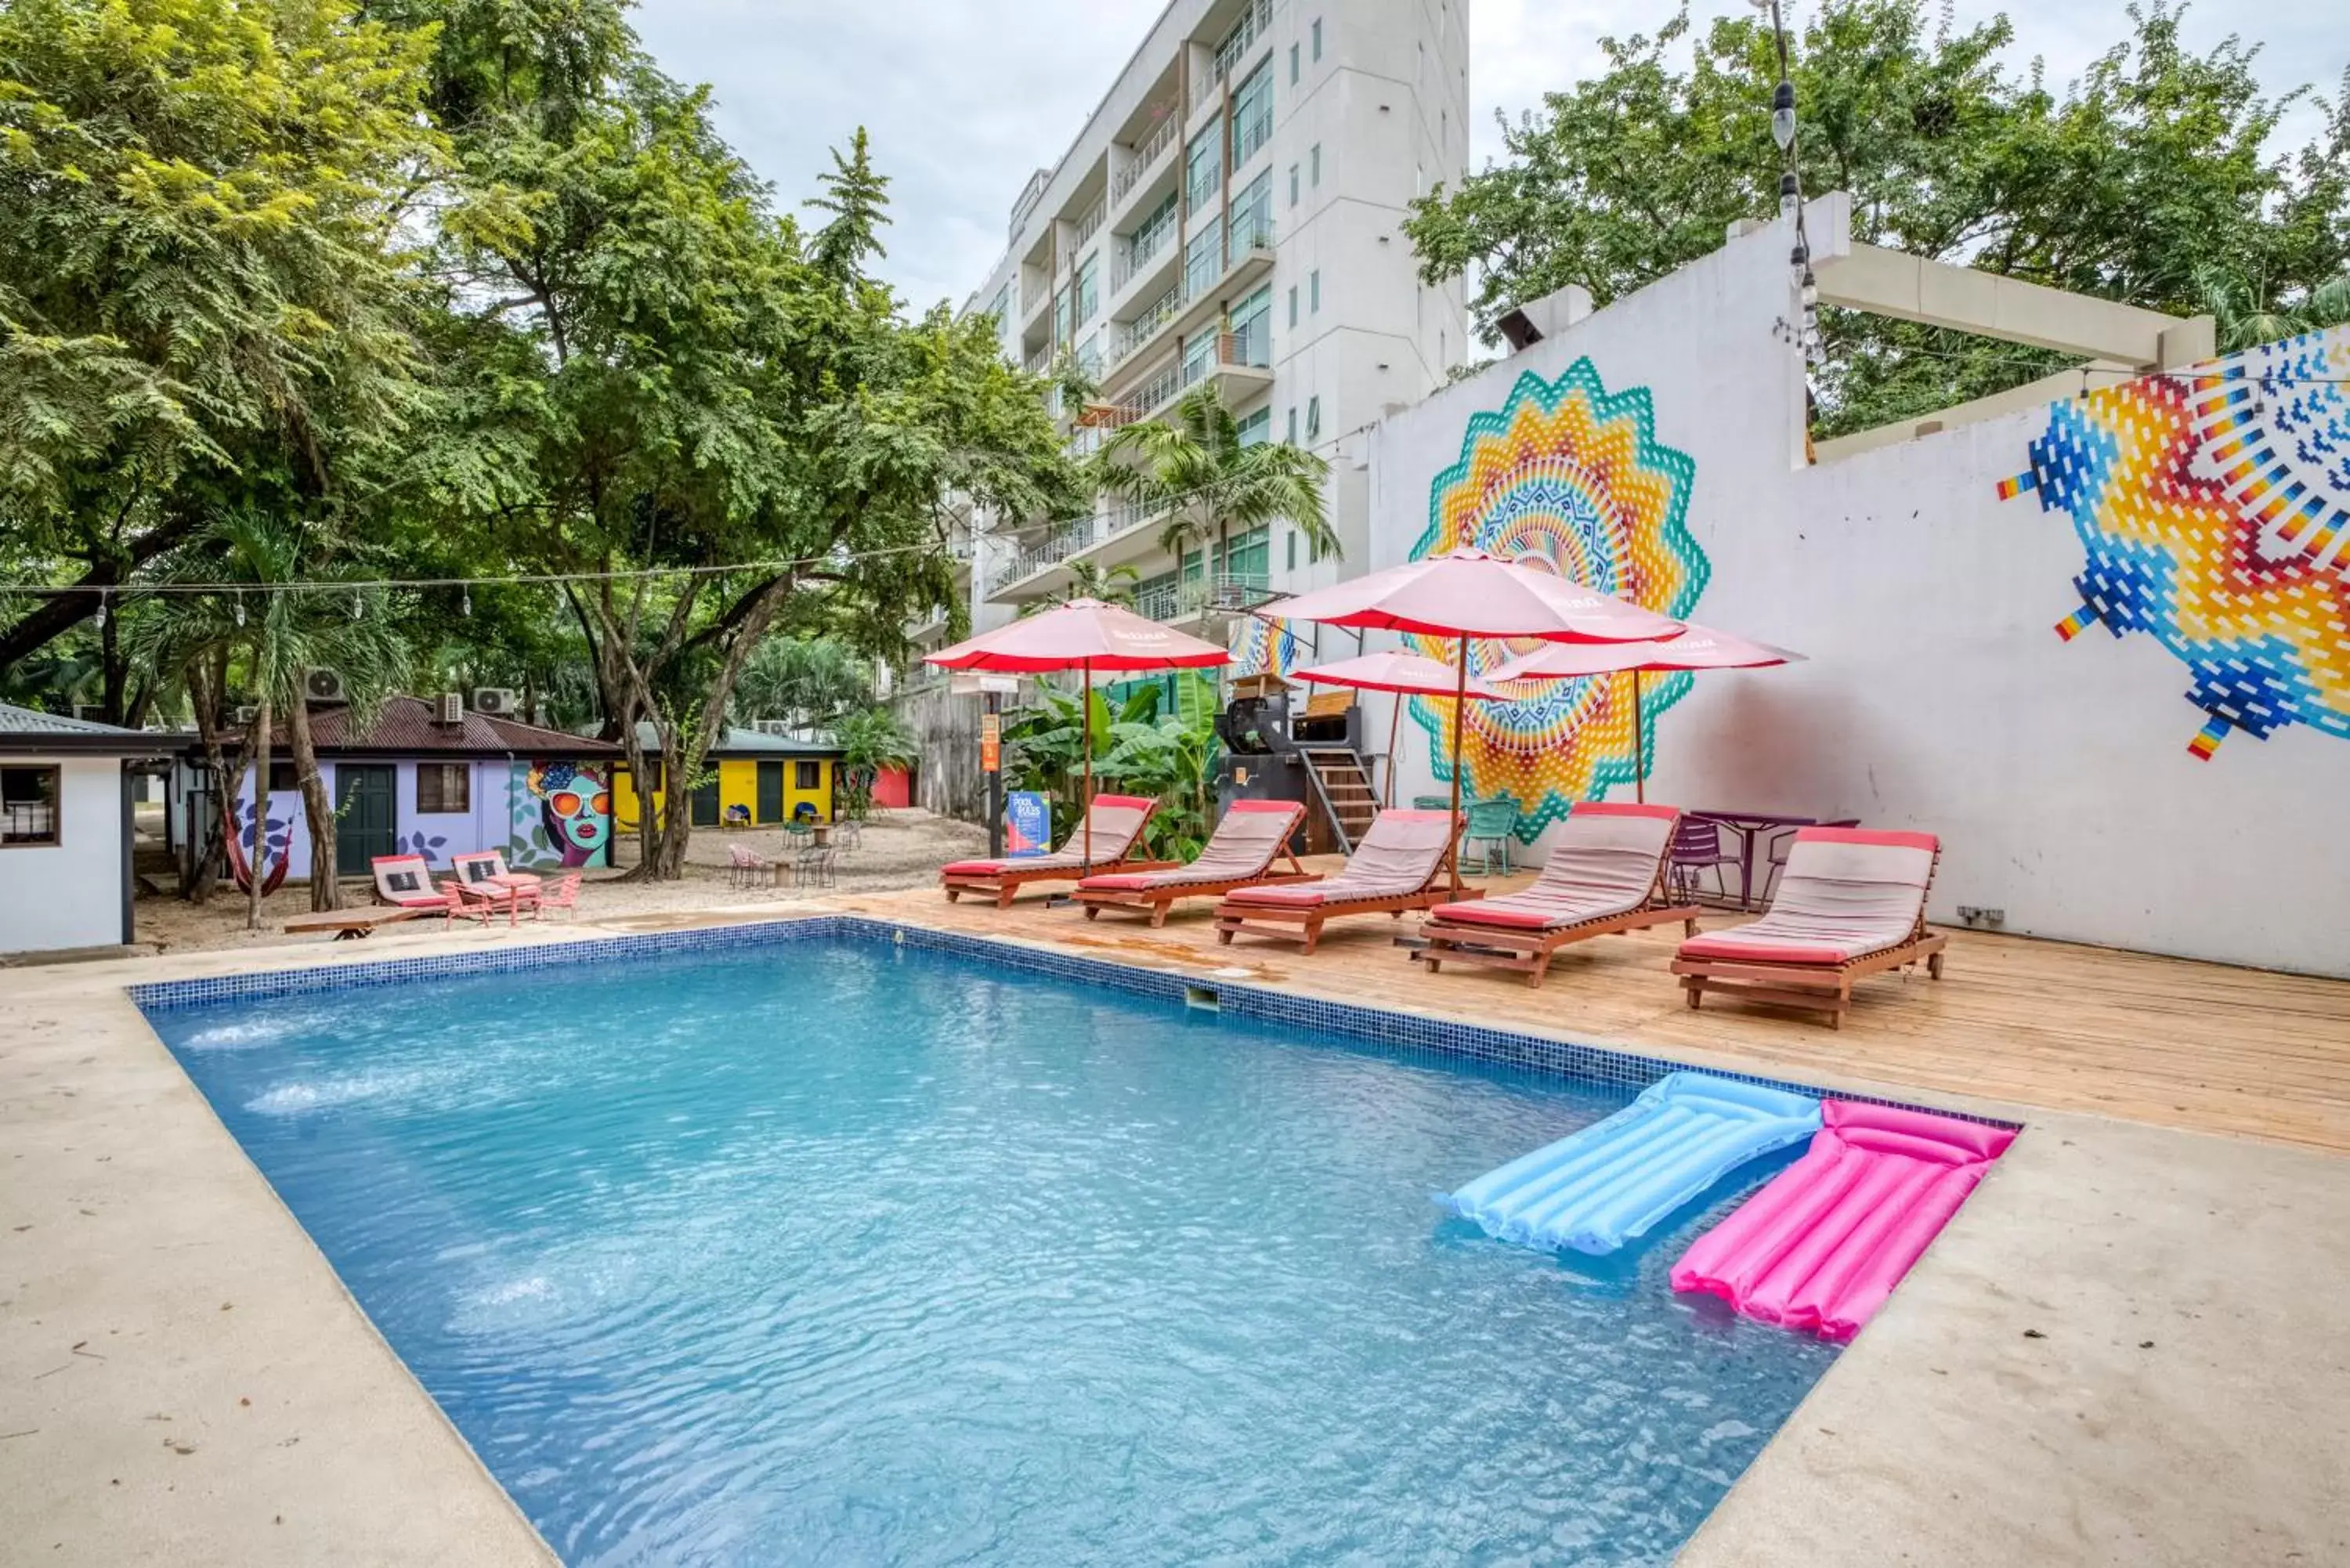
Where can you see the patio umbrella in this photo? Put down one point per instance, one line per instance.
(1084, 635)
(1403, 674)
(1468, 593)
(1697, 647)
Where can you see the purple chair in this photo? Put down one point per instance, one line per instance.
(1697, 847)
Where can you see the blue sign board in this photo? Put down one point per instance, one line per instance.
(1027, 823)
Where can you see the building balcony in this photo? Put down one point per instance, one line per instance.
(1235, 54)
(1217, 598)
(1142, 177)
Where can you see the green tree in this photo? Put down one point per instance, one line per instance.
(202, 298)
(870, 740)
(1090, 580)
(2151, 172)
(806, 681)
(1194, 467)
(652, 371)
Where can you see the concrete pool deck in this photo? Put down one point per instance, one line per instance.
(2133, 1345)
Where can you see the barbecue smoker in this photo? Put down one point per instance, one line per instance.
(1310, 752)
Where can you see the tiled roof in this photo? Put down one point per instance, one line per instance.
(15, 721)
(412, 725)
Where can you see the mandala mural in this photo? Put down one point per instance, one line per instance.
(1570, 476)
(1263, 647)
(2214, 510)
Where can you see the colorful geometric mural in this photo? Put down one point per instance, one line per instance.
(561, 815)
(1570, 476)
(2214, 509)
(1262, 647)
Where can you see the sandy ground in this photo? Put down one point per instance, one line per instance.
(900, 849)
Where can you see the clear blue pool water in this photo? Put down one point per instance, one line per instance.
(831, 1253)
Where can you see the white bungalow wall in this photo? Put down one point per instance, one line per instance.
(69, 895)
(1938, 695)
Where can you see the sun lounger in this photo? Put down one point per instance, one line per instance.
(1239, 854)
(1398, 866)
(1851, 902)
(405, 882)
(1606, 873)
(1117, 824)
(352, 925)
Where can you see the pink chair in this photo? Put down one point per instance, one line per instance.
(464, 906)
(562, 894)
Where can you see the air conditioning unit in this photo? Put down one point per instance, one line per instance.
(452, 708)
(501, 701)
(91, 712)
(246, 714)
(772, 726)
(323, 686)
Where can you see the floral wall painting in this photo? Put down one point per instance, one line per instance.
(2213, 511)
(1572, 477)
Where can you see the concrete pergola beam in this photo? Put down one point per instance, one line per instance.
(1894, 283)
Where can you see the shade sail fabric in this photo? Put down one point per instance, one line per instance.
(1699, 647)
(1084, 634)
(1471, 593)
(1410, 673)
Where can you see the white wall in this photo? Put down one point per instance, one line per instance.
(1938, 695)
(69, 896)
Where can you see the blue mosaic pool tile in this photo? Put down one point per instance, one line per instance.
(1629, 1072)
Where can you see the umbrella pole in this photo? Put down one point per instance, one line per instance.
(1086, 807)
(1460, 706)
(1395, 729)
(1640, 747)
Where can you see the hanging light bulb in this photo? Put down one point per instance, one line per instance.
(1783, 115)
(465, 600)
(1808, 292)
(101, 609)
(358, 607)
(240, 607)
(1799, 262)
(1787, 192)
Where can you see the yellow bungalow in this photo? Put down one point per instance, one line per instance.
(750, 778)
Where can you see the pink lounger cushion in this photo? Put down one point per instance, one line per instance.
(1240, 850)
(1821, 1247)
(1846, 892)
(1400, 856)
(1117, 822)
(1605, 862)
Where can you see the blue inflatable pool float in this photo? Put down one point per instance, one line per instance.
(1597, 1188)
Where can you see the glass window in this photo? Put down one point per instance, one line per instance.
(1314, 416)
(1253, 114)
(1251, 218)
(1293, 424)
(1153, 232)
(443, 787)
(1061, 322)
(1293, 184)
(1089, 287)
(1314, 292)
(1257, 429)
(29, 808)
(1198, 357)
(1292, 304)
(804, 775)
(1313, 160)
(1292, 65)
(282, 777)
(1203, 257)
(1248, 554)
(1252, 329)
(1293, 537)
(1089, 355)
(1317, 38)
(1195, 565)
(999, 306)
(1203, 167)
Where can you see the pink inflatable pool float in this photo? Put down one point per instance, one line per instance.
(1825, 1243)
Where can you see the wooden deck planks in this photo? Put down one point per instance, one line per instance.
(2166, 1041)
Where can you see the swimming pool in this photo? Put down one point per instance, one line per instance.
(829, 1251)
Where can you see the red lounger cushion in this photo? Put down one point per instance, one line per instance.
(1761, 952)
(1478, 915)
(976, 869)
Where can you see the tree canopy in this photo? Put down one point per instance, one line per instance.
(2152, 180)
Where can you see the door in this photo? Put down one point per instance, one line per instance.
(771, 792)
(706, 805)
(364, 802)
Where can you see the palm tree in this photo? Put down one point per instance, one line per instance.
(275, 639)
(1194, 466)
(870, 739)
(1090, 580)
(2246, 311)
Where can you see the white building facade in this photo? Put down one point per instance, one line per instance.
(1232, 213)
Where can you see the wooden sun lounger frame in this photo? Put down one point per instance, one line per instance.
(1303, 922)
(352, 925)
(1159, 900)
(1004, 885)
(1528, 948)
(1815, 988)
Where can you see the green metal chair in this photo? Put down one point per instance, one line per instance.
(1492, 823)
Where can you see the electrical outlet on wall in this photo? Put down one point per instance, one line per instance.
(1975, 915)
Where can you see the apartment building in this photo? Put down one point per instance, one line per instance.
(1230, 214)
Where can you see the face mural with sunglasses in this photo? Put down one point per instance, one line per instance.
(577, 806)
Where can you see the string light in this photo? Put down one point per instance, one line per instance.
(465, 603)
(101, 609)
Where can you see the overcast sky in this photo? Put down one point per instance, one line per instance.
(964, 98)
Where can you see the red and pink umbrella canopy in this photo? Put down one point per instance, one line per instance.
(1084, 635)
(1697, 647)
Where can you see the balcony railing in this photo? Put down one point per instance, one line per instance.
(1132, 335)
(1228, 592)
(1090, 223)
(1051, 550)
(1233, 50)
(1251, 231)
(1131, 257)
(1146, 157)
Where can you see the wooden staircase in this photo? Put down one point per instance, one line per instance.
(1343, 786)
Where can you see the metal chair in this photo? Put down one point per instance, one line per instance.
(1492, 823)
(1697, 847)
